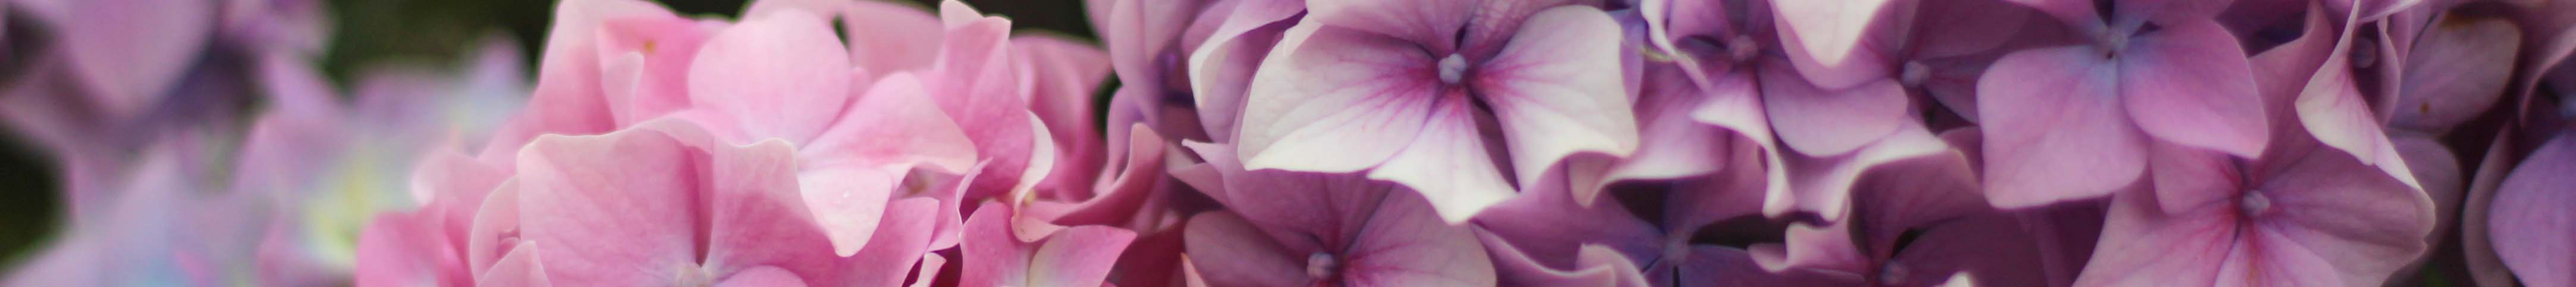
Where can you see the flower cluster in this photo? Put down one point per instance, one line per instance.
(1324, 143)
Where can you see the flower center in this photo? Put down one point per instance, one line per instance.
(2363, 55)
(1452, 68)
(1892, 274)
(1915, 73)
(1321, 266)
(1743, 48)
(690, 275)
(2253, 203)
(1676, 248)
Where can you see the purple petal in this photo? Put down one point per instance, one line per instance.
(2530, 220)
(1220, 72)
(2190, 84)
(133, 51)
(1826, 122)
(1332, 91)
(1556, 90)
(2458, 70)
(1431, 23)
(1240, 254)
(2142, 246)
(2056, 109)
(1829, 30)
(1404, 243)
(2187, 178)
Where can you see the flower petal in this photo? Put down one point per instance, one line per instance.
(1431, 23)
(1829, 30)
(2142, 246)
(621, 206)
(1220, 72)
(521, 268)
(2531, 219)
(130, 55)
(1250, 258)
(1404, 243)
(887, 36)
(2055, 109)
(1449, 163)
(2190, 84)
(654, 81)
(2458, 70)
(783, 75)
(1556, 90)
(1824, 122)
(1345, 93)
(762, 276)
(758, 218)
(2188, 178)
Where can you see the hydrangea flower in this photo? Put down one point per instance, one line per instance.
(1323, 229)
(667, 204)
(2081, 117)
(1405, 90)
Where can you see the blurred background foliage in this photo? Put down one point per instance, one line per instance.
(373, 33)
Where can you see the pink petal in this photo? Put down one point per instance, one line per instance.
(1327, 90)
(1123, 195)
(653, 82)
(887, 36)
(521, 268)
(782, 75)
(899, 243)
(1546, 227)
(1432, 23)
(1241, 254)
(2189, 84)
(2187, 178)
(567, 98)
(1556, 90)
(2530, 217)
(1595, 266)
(130, 54)
(1991, 250)
(1449, 163)
(1220, 72)
(757, 217)
(2077, 13)
(1404, 243)
(613, 204)
(2458, 70)
(2168, 11)
(2364, 223)
(853, 167)
(762, 276)
(494, 230)
(1829, 30)
(2056, 109)
(977, 86)
(400, 249)
(2268, 259)
(1671, 145)
(1077, 256)
(1825, 186)
(2332, 110)
(2142, 246)
(1823, 122)
(1065, 74)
